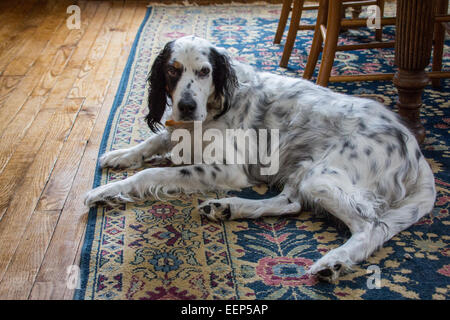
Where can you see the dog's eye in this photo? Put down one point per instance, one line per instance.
(172, 71)
(203, 72)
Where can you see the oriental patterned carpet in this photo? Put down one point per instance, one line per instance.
(165, 250)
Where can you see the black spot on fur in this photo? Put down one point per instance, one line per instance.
(385, 118)
(227, 213)
(215, 167)
(213, 174)
(362, 125)
(401, 139)
(373, 167)
(389, 149)
(347, 145)
(199, 169)
(185, 172)
(368, 151)
(207, 209)
(418, 154)
(353, 155)
(414, 214)
(375, 136)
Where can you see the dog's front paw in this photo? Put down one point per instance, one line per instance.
(121, 159)
(215, 210)
(110, 194)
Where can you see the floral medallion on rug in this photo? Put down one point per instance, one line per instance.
(163, 249)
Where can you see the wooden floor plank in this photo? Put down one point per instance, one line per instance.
(56, 191)
(56, 90)
(15, 174)
(49, 150)
(27, 260)
(51, 278)
(66, 79)
(49, 60)
(31, 184)
(83, 82)
(21, 159)
(33, 46)
(13, 20)
(94, 142)
(29, 24)
(7, 85)
(17, 127)
(65, 50)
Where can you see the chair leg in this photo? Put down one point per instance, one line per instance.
(292, 34)
(439, 38)
(331, 39)
(379, 32)
(283, 19)
(317, 40)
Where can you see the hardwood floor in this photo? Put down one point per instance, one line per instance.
(57, 86)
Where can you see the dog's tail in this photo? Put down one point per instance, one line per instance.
(417, 203)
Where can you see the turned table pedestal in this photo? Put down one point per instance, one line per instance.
(414, 34)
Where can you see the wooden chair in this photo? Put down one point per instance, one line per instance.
(295, 25)
(285, 9)
(329, 23)
(441, 26)
(327, 30)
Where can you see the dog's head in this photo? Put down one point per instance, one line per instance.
(190, 72)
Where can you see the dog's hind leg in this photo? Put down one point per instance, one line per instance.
(236, 208)
(333, 190)
(370, 230)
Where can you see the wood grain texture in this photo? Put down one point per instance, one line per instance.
(33, 46)
(36, 80)
(7, 85)
(32, 15)
(56, 191)
(30, 175)
(16, 284)
(62, 252)
(56, 91)
(14, 23)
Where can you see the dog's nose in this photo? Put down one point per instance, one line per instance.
(187, 106)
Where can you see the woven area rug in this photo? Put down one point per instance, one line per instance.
(165, 250)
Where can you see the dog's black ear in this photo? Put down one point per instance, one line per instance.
(157, 96)
(224, 79)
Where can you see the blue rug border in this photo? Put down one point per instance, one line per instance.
(93, 212)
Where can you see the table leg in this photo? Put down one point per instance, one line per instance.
(414, 34)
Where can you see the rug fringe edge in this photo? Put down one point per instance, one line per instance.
(187, 3)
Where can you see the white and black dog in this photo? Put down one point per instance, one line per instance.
(349, 156)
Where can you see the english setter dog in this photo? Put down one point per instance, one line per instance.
(348, 156)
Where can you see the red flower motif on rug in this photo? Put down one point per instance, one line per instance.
(285, 271)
